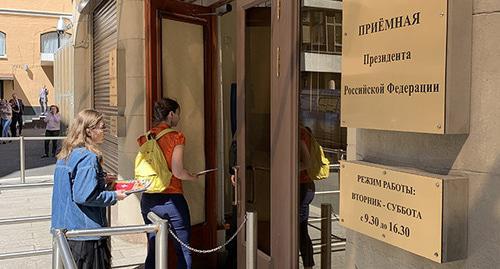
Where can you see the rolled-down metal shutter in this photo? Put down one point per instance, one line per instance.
(105, 34)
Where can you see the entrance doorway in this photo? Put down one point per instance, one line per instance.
(257, 111)
(254, 125)
(282, 88)
(180, 64)
(267, 130)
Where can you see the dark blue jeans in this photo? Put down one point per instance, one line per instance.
(4, 126)
(174, 208)
(305, 244)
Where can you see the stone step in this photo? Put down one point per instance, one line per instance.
(34, 122)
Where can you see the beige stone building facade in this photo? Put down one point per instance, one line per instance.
(28, 40)
(311, 72)
(125, 34)
(475, 155)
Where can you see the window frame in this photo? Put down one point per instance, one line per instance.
(60, 39)
(4, 55)
(324, 25)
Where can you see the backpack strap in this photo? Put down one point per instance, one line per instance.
(149, 135)
(164, 132)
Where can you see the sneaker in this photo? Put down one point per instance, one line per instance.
(45, 156)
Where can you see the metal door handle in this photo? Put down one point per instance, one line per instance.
(236, 170)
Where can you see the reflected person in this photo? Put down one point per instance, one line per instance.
(307, 190)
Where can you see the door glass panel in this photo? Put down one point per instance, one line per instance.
(319, 122)
(257, 118)
(183, 80)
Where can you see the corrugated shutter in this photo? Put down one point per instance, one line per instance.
(105, 33)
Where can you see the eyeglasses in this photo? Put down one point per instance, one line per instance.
(100, 126)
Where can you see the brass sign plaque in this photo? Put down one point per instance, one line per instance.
(394, 65)
(399, 208)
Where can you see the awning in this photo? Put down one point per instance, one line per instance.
(6, 76)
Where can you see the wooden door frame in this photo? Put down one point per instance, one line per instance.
(285, 134)
(285, 75)
(203, 235)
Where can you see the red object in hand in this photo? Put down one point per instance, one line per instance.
(125, 185)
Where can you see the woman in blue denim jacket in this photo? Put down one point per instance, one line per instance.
(80, 198)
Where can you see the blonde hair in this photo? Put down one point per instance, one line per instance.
(78, 135)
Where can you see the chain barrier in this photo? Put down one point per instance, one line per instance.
(208, 250)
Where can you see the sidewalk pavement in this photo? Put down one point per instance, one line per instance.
(35, 165)
(37, 202)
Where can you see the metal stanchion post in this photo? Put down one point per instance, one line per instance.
(161, 241)
(21, 159)
(161, 247)
(64, 250)
(326, 238)
(251, 246)
(56, 254)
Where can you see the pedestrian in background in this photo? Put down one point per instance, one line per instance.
(43, 99)
(80, 197)
(17, 115)
(53, 128)
(5, 118)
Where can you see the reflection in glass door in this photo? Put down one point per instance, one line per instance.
(319, 124)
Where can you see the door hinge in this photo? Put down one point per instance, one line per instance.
(278, 9)
(278, 62)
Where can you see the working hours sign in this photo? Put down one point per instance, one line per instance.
(423, 213)
(394, 65)
(402, 209)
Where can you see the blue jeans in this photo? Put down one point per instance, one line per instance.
(174, 208)
(5, 128)
(307, 191)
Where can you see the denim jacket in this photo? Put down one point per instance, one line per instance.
(79, 197)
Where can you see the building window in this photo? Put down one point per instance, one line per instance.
(322, 31)
(51, 41)
(3, 44)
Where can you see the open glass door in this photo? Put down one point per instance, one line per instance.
(254, 119)
(180, 55)
(319, 125)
